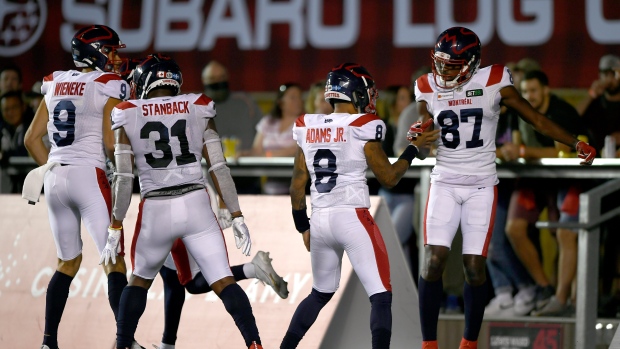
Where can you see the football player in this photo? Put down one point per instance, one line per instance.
(180, 272)
(75, 116)
(334, 151)
(464, 101)
(164, 133)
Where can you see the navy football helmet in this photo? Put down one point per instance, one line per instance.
(156, 71)
(95, 47)
(351, 82)
(456, 57)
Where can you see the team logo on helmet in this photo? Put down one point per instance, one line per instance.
(156, 71)
(21, 25)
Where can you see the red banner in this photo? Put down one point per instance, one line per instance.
(265, 43)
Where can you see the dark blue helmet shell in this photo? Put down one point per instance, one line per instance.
(156, 71)
(352, 83)
(91, 47)
(459, 48)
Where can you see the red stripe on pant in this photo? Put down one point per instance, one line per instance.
(485, 249)
(426, 211)
(181, 261)
(381, 255)
(106, 192)
(136, 233)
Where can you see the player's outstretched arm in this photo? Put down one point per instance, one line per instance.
(511, 98)
(298, 196)
(35, 133)
(389, 174)
(224, 185)
(425, 150)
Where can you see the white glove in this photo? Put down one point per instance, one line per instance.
(242, 235)
(224, 218)
(112, 247)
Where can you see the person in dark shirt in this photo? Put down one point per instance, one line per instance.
(532, 196)
(15, 122)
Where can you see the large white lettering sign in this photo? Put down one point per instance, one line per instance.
(305, 19)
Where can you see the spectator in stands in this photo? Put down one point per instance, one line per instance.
(315, 102)
(523, 66)
(12, 133)
(601, 109)
(10, 79)
(274, 133)
(237, 116)
(237, 113)
(34, 96)
(533, 195)
(399, 198)
(407, 117)
(506, 271)
(601, 113)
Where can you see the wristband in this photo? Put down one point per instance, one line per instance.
(409, 153)
(302, 222)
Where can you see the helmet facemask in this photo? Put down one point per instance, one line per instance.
(113, 61)
(442, 63)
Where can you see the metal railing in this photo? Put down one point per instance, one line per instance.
(590, 220)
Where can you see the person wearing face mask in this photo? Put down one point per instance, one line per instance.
(237, 117)
(237, 113)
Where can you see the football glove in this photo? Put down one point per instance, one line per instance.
(242, 235)
(417, 128)
(585, 152)
(224, 218)
(112, 247)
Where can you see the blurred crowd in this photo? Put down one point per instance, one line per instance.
(529, 269)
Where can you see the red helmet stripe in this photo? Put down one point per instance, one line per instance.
(452, 38)
(97, 38)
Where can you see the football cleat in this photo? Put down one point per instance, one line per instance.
(255, 345)
(164, 346)
(267, 275)
(135, 345)
(465, 344)
(429, 344)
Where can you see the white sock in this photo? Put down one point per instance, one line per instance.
(249, 270)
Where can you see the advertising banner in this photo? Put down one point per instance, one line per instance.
(265, 43)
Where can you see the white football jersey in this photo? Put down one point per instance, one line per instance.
(75, 103)
(334, 149)
(166, 135)
(467, 117)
